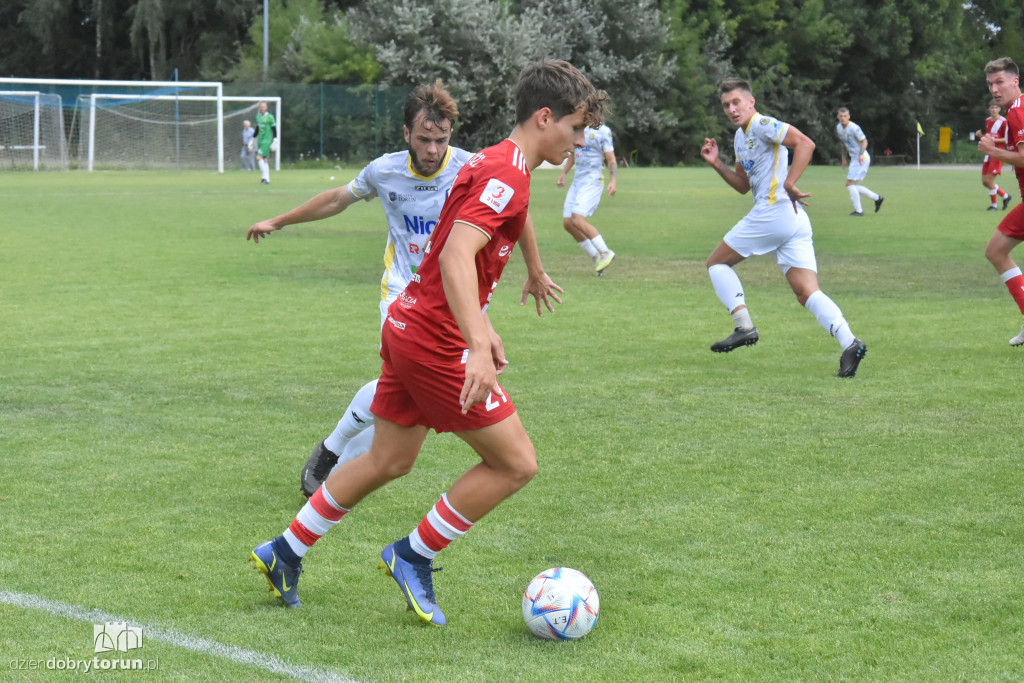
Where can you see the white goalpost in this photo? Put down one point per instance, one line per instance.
(126, 130)
(31, 128)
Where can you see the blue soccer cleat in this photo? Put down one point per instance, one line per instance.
(283, 579)
(416, 582)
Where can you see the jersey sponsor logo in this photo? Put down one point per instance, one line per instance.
(399, 197)
(426, 188)
(406, 301)
(397, 324)
(476, 159)
(419, 225)
(497, 195)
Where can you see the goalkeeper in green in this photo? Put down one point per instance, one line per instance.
(266, 141)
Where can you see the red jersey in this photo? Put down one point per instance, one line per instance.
(1015, 135)
(492, 194)
(996, 127)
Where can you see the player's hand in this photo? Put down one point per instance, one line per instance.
(709, 151)
(541, 287)
(561, 180)
(498, 353)
(796, 196)
(481, 380)
(261, 229)
(612, 187)
(987, 144)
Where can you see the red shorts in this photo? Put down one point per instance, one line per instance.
(1012, 224)
(419, 389)
(992, 167)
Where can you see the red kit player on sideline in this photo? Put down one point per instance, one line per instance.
(441, 356)
(1003, 78)
(995, 125)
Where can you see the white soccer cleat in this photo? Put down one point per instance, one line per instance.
(1019, 339)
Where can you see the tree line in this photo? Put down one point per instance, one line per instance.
(894, 63)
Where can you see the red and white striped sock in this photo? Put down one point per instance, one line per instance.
(1015, 283)
(441, 526)
(316, 518)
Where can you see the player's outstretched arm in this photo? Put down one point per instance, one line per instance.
(538, 284)
(324, 205)
(736, 178)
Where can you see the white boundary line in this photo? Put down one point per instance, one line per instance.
(234, 653)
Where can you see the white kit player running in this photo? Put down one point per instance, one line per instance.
(855, 155)
(585, 193)
(412, 186)
(776, 223)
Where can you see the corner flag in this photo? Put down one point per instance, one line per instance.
(920, 131)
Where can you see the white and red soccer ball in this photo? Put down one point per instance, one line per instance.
(561, 604)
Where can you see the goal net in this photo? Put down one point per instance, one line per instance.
(32, 131)
(134, 131)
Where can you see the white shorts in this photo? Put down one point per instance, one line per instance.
(583, 197)
(857, 171)
(775, 228)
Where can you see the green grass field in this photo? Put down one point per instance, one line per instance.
(744, 516)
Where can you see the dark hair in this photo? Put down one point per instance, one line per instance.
(842, 110)
(559, 86)
(730, 84)
(434, 101)
(1002, 64)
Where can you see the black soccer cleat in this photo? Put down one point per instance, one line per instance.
(851, 358)
(735, 340)
(856, 213)
(320, 463)
(1006, 201)
(878, 203)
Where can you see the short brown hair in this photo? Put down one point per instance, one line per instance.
(1002, 64)
(561, 87)
(730, 84)
(434, 101)
(843, 110)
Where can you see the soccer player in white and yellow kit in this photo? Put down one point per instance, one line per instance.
(412, 186)
(776, 223)
(585, 193)
(855, 155)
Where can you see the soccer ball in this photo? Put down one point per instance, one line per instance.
(560, 604)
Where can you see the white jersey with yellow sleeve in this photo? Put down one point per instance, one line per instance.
(764, 158)
(412, 204)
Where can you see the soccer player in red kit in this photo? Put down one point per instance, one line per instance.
(995, 125)
(441, 356)
(1003, 78)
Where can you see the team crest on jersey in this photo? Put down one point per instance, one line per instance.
(496, 195)
(399, 197)
(763, 121)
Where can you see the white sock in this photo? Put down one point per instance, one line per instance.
(742, 319)
(830, 317)
(589, 248)
(855, 198)
(727, 286)
(1010, 274)
(265, 169)
(357, 417)
(599, 243)
(866, 192)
